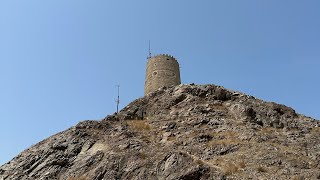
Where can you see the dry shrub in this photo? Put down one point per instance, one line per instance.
(230, 134)
(225, 142)
(139, 125)
(78, 178)
(229, 169)
(229, 138)
(298, 178)
(242, 164)
(270, 130)
(262, 169)
(267, 130)
(171, 138)
(315, 130)
(218, 107)
(193, 134)
(200, 162)
(143, 155)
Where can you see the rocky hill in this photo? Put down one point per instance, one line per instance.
(186, 132)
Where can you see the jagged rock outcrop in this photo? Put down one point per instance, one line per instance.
(185, 132)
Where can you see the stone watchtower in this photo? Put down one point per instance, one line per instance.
(162, 70)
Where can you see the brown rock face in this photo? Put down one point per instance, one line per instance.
(185, 132)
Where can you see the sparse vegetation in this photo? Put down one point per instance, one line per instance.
(224, 142)
(262, 169)
(225, 134)
(315, 130)
(297, 178)
(139, 125)
(200, 162)
(218, 107)
(227, 138)
(230, 168)
(143, 155)
(171, 138)
(242, 164)
(78, 178)
(267, 130)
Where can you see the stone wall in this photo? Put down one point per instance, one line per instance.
(162, 70)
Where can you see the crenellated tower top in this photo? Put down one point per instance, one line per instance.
(162, 71)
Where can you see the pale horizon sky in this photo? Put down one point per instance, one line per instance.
(60, 61)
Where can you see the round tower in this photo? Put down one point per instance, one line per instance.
(162, 70)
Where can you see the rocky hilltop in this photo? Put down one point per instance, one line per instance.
(186, 132)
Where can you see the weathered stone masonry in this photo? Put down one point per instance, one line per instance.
(162, 70)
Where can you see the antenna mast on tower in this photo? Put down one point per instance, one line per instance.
(149, 51)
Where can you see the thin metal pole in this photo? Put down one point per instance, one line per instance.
(118, 100)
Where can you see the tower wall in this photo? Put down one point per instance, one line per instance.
(162, 70)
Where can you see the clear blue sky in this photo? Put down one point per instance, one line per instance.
(60, 61)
